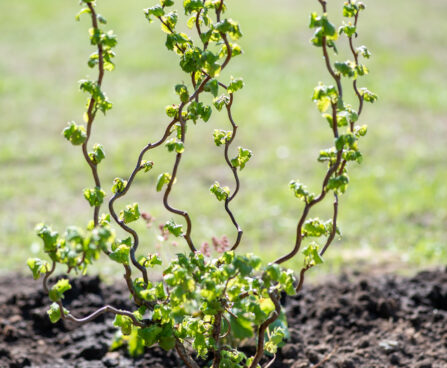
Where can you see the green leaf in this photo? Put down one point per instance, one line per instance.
(82, 11)
(346, 68)
(324, 96)
(287, 282)
(98, 154)
(75, 134)
(121, 254)
(220, 102)
(212, 86)
(273, 271)
(173, 228)
(276, 338)
(38, 267)
(166, 3)
(229, 26)
(361, 70)
(351, 8)
(169, 21)
(242, 158)
(150, 261)
(338, 183)
(221, 193)
(234, 48)
(101, 19)
(162, 313)
(328, 28)
(118, 185)
(192, 6)
(146, 166)
(198, 110)
(177, 41)
(175, 145)
(241, 328)
(124, 323)
(348, 28)
(311, 255)
(363, 50)
(56, 293)
(108, 40)
(300, 191)
(130, 213)
(235, 85)
(222, 136)
(346, 116)
(183, 93)
(191, 60)
(163, 179)
(73, 235)
(210, 63)
(349, 140)
(48, 236)
(135, 344)
(54, 312)
(94, 196)
(156, 11)
(361, 131)
(351, 155)
(323, 28)
(172, 111)
(167, 338)
(328, 155)
(150, 334)
(314, 228)
(92, 88)
(367, 95)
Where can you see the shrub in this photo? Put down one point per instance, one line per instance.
(203, 306)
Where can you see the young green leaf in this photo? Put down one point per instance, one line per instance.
(118, 185)
(95, 196)
(38, 267)
(221, 193)
(56, 293)
(222, 136)
(48, 236)
(244, 155)
(163, 179)
(54, 312)
(75, 134)
(235, 85)
(173, 228)
(130, 213)
(98, 154)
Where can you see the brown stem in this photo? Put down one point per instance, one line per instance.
(332, 169)
(97, 313)
(261, 331)
(217, 326)
(307, 207)
(270, 364)
(334, 226)
(301, 280)
(184, 355)
(91, 113)
(117, 195)
(47, 276)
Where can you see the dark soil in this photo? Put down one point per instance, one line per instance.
(348, 322)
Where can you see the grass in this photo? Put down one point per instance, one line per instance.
(394, 210)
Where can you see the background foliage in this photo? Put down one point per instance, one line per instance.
(394, 211)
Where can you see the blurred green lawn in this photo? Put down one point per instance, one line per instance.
(395, 210)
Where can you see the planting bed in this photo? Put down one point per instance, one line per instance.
(355, 321)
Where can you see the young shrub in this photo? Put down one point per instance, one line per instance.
(203, 307)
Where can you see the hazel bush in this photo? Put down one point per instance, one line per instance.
(203, 306)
